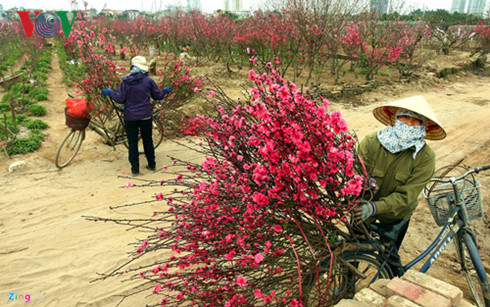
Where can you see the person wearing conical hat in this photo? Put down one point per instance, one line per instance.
(134, 92)
(400, 161)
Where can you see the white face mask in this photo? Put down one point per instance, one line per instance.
(402, 136)
(135, 69)
(408, 133)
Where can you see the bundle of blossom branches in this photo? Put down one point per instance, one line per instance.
(253, 221)
(176, 74)
(97, 70)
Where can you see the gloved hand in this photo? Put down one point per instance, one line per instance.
(373, 186)
(106, 91)
(167, 90)
(365, 210)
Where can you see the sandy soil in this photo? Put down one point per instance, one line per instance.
(50, 251)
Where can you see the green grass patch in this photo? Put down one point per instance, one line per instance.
(21, 118)
(449, 71)
(36, 124)
(25, 101)
(35, 110)
(6, 98)
(23, 146)
(4, 107)
(362, 71)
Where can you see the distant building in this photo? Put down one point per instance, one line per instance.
(175, 8)
(90, 13)
(476, 7)
(233, 5)
(109, 12)
(458, 6)
(132, 14)
(379, 6)
(194, 5)
(12, 15)
(3, 14)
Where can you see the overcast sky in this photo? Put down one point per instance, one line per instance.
(148, 5)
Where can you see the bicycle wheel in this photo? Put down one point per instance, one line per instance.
(324, 289)
(156, 135)
(157, 132)
(473, 269)
(369, 266)
(69, 147)
(344, 283)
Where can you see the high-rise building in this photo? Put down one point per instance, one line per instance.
(379, 6)
(458, 6)
(476, 7)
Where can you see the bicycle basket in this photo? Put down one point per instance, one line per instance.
(76, 122)
(441, 196)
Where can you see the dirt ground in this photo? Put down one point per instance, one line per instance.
(50, 251)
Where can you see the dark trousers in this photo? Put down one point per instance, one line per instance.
(133, 128)
(396, 262)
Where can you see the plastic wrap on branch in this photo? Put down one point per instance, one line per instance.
(250, 223)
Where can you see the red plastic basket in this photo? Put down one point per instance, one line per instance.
(76, 122)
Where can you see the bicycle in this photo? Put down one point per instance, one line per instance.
(114, 135)
(453, 202)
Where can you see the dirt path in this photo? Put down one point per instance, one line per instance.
(48, 250)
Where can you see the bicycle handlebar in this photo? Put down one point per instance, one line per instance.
(455, 179)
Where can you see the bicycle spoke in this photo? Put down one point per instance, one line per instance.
(345, 279)
(473, 269)
(157, 133)
(316, 292)
(69, 148)
(368, 266)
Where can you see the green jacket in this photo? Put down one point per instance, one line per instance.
(400, 178)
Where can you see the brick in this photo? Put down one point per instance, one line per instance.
(454, 294)
(379, 286)
(370, 297)
(398, 301)
(351, 303)
(416, 293)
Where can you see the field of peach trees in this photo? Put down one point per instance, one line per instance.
(280, 173)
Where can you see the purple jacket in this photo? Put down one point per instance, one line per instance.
(135, 91)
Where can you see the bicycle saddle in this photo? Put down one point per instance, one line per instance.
(388, 231)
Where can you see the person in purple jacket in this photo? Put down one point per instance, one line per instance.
(134, 92)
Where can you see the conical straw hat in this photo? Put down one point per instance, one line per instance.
(386, 115)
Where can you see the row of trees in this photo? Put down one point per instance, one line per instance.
(310, 37)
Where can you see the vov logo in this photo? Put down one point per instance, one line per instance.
(47, 24)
